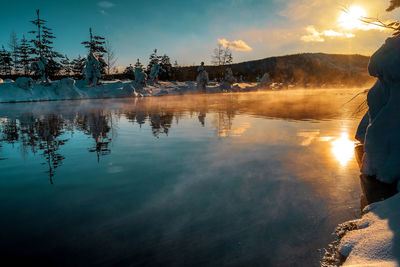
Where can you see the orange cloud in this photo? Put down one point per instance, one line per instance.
(238, 45)
(316, 36)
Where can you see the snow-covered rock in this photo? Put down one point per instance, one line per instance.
(381, 139)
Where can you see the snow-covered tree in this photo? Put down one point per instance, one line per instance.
(140, 79)
(43, 47)
(24, 49)
(39, 69)
(96, 44)
(138, 64)
(202, 78)
(13, 46)
(43, 39)
(153, 59)
(155, 72)
(92, 70)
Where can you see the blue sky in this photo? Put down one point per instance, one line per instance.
(189, 30)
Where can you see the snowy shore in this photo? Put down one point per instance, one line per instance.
(68, 89)
(376, 241)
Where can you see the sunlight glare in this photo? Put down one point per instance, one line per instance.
(351, 19)
(343, 149)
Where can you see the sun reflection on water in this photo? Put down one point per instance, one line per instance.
(343, 149)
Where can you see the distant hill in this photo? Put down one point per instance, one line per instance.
(308, 69)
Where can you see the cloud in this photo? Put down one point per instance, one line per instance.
(105, 4)
(316, 36)
(238, 45)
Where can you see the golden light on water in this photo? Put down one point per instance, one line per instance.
(343, 149)
(350, 19)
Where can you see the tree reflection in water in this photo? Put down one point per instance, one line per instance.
(44, 127)
(42, 133)
(46, 133)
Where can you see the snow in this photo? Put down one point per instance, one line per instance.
(25, 89)
(202, 78)
(381, 142)
(376, 242)
(91, 71)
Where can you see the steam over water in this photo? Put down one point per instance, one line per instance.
(249, 179)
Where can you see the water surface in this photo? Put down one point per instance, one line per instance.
(246, 179)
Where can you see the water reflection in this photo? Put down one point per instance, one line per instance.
(343, 149)
(45, 127)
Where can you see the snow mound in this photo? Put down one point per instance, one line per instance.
(381, 139)
(376, 242)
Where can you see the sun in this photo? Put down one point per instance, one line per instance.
(350, 19)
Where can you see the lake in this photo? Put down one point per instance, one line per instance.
(240, 179)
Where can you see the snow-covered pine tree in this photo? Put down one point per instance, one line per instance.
(138, 64)
(5, 61)
(66, 65)
(24, 49)
(96, 45)
(13, 45)
(43, 45)
(153, 59)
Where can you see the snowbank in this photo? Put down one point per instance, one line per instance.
(25, 89)
(381, 139)
(376, 242)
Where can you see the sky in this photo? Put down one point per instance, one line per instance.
(189, 30)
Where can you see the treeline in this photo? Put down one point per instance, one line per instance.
(21, 55)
